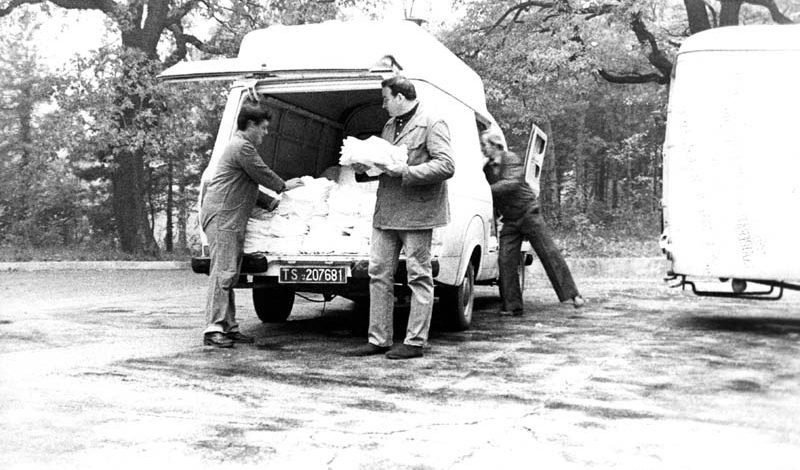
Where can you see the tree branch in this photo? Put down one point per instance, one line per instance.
(181, 41)
(516, 9)
(106, 6)
(774, 11)
(520, 8)
(16, 3)
(656, 57)
(177, 14)
(633, 78)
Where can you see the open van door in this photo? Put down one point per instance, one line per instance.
(534, 157)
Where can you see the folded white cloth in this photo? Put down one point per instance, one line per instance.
(320, 217)
(370, 152)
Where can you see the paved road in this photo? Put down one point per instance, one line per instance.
(104, 369)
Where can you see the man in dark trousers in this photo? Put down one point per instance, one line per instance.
(227, 202)
(411, 202)
(515, 200)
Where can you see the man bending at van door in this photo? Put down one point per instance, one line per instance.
(515, 200)
(227, 202)
(411, 202)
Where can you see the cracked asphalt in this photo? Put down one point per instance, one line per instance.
(106, 369)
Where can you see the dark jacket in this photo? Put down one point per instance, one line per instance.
(511, 194)
(418, 199)
(232, 193)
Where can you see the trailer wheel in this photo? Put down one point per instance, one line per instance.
(273, 304)
(456, 302)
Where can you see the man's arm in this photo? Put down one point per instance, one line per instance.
(440, 166)
(265, 201)
(260, 172)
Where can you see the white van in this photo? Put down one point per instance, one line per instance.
(732, 160)
(323, 83)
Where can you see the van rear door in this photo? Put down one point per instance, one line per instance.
(217, 69)
(233, 69)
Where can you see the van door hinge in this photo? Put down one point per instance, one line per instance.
(250, 86)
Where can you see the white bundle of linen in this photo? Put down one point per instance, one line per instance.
(320, 217)
(370, 152)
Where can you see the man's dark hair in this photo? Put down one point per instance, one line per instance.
(400, 84)
(252, 111)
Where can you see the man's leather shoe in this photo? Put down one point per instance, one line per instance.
(509, 313)
(404, 351)
(238, 337)
(217, 339)
(368, 349)
(578, 301)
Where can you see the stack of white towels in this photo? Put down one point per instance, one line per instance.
(320, 217)
(329, 214)
(370, 152)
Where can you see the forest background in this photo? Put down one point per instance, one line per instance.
(100, 161)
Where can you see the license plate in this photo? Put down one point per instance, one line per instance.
(313, 275)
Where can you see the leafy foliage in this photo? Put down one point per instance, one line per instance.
(100, 154)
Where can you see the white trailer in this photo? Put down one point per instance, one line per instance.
(732, 161)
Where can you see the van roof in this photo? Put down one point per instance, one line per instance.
(745, 38)
(360, 45)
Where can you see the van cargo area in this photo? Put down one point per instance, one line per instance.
(331, 213)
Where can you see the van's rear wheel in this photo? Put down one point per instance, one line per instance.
(456, 302)
(273, 304)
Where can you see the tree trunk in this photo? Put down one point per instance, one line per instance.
(729, 12)
(549, 190)
(614, 185)
(697, 15)
(600, 179)
(168, 234)
(182, 215)
(130, 212)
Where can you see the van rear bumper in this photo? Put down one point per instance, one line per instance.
(257, 264)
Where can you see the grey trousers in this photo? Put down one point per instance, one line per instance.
(384, 253)
(532, 227)
(226, 261)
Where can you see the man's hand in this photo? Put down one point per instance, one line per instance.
(359, 167)
(293, 183)
(394, 169)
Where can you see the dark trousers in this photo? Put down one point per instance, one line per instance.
(531, 227)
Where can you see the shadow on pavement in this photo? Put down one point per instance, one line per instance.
(769, 326)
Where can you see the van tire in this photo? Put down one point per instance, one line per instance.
(273, 304)
(359, 320)
(456, 303)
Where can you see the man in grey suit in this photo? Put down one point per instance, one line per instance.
(227, 202)
(411, 202)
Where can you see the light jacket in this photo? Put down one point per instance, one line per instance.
(232, 193)
(417, 199)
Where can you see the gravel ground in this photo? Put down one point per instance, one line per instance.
(104, 369)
